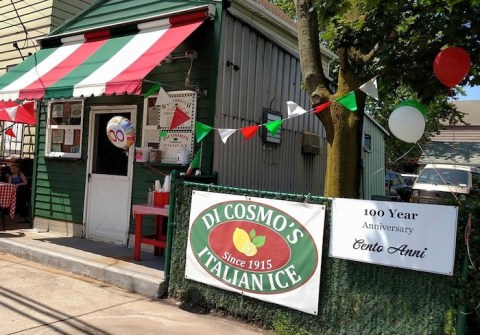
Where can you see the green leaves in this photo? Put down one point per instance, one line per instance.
(258, 241)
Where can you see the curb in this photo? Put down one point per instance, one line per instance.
(125, 275)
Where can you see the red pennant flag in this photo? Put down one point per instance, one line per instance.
(10, 132)
(13, 112)
(321, 107)
(179, 117)
(248, 132)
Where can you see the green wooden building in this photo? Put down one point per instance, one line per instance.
(225, 64)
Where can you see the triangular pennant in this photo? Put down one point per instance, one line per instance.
(294, 110)
(12, 112)
(154, 88)
(201, 130)
(248, 132)
(163, 133)
(179, 117)
(274, 126)
(370, 88)
(322, 107)
(26, 113)
(10, 132)
(196, 162)
(162, 98)
(225, 134)
(349, 101)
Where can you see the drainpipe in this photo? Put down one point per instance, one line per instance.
(171, 211)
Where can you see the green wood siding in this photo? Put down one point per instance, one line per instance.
(59, 184)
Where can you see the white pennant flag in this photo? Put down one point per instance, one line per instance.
(225, 134)
(12, 112)
(294, 109)
(162, 97)
(370, 88)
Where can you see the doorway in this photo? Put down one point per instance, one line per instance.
(109, 184)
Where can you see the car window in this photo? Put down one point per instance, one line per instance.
(443, 176)
(394, 178)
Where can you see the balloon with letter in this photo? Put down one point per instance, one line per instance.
(121, 132)
(407, 121)
(451, 66)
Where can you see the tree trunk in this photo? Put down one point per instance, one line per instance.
(344, 136)
(342, 126)
(343, 159)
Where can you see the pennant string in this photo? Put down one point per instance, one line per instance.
(202, 130)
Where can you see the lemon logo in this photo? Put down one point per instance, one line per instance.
(247, 244)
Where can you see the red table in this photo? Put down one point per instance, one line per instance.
(159, 239)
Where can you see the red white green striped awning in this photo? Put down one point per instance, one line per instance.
(97, 63)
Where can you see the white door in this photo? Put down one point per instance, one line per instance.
(109, 179)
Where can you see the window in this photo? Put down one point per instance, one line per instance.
(64, 129)
(367, 142)
(269, 116)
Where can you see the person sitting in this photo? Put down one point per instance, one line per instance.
(17, 178)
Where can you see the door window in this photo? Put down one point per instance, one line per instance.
(107, 158)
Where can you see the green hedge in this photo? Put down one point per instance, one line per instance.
(355, 298)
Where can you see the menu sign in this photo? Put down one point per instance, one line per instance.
(186, 103)
(173, 143)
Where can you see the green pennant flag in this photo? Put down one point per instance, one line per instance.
(154, 88)
(349, 101)
(274, 126)
(201, 130)
(196, 162)
(163, 133)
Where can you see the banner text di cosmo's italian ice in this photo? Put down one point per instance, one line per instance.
(263, 248)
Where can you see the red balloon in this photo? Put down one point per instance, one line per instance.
(451, 65)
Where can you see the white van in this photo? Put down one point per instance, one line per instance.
(437, 183)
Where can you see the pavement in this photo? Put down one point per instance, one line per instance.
(107, 263)
(40, 300)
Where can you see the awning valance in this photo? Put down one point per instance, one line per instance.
(98, 63)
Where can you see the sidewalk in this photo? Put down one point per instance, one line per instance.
(114, 265)
(101, 261)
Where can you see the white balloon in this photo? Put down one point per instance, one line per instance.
(407, 124)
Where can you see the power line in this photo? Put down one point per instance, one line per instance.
(23, 26)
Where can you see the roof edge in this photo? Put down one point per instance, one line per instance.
(209, 7)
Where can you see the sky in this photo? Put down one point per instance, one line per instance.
(473, 93)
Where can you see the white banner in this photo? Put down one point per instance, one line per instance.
(267, 249)
(410, 236)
